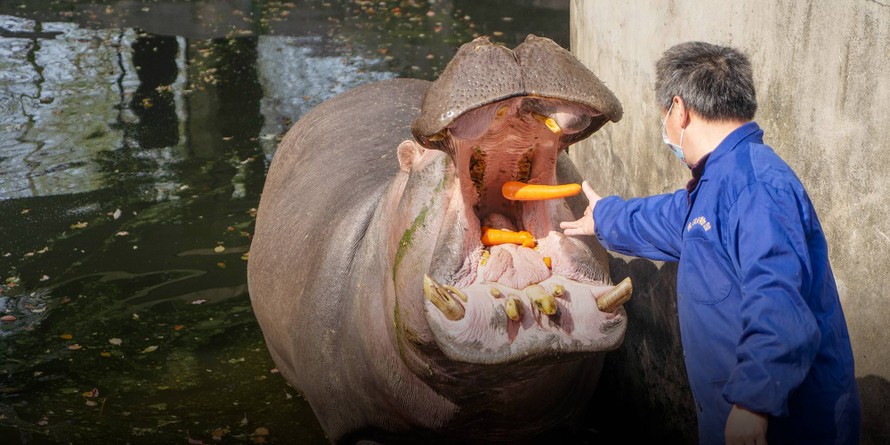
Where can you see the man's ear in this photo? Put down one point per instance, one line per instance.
(682, 111)
(408, 152)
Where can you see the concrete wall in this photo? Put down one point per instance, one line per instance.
(822, 73)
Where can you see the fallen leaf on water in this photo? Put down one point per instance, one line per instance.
(221, 265)
(261, 431)
(43, 422)
(219, 249)
(74, 347)
(91, 393)
(8, 318)
(66, 336)
(178, 327)
(79, 225)
(116, 214)
(105, 354)
(91, 403)
(198, 302)
(150, 349)
(44, 278)
(122, 233)
(115, 341)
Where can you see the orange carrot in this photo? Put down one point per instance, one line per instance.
(520, 191)
(494, 237)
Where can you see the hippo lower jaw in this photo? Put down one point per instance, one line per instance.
(556, 317)
(510, 303)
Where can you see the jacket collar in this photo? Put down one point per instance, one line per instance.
(749, 132)
(710, 163)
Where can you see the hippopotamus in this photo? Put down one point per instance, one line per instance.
(375, 295)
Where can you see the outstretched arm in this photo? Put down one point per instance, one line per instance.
(648, 227)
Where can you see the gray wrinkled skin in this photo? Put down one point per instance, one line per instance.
(339, 296)
(483, 72)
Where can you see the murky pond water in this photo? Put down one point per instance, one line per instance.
(134, 141)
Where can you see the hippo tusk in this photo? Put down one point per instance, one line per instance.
(495, 292)
(457, 292)
(443, 299)
(514, 308)
(549, 122)
(616, 296)
(544, 301)
(436, 137)
(558, 291)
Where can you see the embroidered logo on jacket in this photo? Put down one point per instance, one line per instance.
(700, 221)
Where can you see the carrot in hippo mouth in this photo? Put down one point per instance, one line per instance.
(494, 237)
(520, 191)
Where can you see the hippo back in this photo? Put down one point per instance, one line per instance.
(324, 183)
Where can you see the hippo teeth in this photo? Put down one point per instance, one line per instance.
(444, 298)
(513, 308)
(615, 297)
(543, 300)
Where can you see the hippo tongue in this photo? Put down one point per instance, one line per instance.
(516, 266)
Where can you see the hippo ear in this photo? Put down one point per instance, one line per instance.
(408, 151)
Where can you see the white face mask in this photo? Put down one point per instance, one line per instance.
(676, 148)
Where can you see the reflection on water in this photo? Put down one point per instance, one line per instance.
(134, 141)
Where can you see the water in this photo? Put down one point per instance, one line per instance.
(134, 141)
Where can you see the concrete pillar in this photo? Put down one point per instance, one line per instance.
(822, 74)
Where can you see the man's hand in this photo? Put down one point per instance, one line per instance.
(583, 226)
(745, 427)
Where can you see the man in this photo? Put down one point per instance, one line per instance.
(767, 351)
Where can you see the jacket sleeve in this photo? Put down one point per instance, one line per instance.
(780, 336)
(650, 227)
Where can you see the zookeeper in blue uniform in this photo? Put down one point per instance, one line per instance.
(767, 351)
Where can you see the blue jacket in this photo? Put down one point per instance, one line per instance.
(760, 319)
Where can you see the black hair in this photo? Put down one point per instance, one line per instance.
(714, 81)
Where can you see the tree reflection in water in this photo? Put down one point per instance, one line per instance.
(134, 141)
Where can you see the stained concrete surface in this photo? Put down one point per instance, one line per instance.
(821, 71)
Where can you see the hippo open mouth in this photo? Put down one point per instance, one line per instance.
(509, 302)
